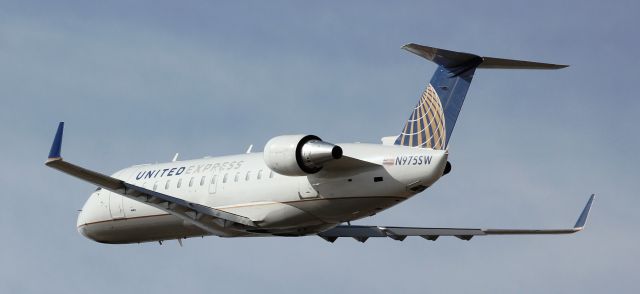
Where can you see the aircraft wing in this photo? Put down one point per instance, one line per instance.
(200, 215)
(362, 233)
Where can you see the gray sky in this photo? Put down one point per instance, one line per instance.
(137, 82)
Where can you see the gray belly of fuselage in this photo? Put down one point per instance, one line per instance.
(326, 213)
(139, 229)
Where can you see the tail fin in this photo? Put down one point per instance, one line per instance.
(432, 120)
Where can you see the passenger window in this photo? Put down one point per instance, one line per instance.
(179, 182)
(259, 174)
(166, 185)
(235, 179)
(224, 179)
(271, 175)
(191, 182)
(202, 180)
(214, 179)
(246, 178)
(155, 186)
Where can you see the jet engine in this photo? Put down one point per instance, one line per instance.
(299, 155)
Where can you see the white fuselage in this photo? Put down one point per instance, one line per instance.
(244, 185)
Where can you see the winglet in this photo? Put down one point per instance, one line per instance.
(582, 220)
(57, 143)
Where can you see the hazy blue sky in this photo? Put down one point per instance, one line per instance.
(137, 82)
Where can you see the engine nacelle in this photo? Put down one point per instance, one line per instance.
(299, 155)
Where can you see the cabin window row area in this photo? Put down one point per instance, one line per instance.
(213, 180)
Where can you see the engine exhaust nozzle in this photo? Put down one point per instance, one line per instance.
(315, 152)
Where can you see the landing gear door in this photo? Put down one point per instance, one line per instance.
(305, 189)
(116, 205)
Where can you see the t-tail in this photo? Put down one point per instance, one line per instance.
(432, 120)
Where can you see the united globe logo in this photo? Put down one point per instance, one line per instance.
(426, 125)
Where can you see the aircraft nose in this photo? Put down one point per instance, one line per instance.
(83, 221)
(81, 224)
(94, 212)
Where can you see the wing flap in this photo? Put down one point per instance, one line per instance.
(397, 233)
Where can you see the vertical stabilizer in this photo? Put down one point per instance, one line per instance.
(434, 117)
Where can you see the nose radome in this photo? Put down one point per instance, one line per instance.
(80, 224)
(95, 210)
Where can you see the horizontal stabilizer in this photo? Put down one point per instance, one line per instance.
(400, 233)
(453, 59)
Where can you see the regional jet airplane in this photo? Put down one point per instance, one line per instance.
(300, 185)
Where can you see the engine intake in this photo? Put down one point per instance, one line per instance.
(298, 155)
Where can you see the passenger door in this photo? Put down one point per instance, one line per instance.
(116, 205)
